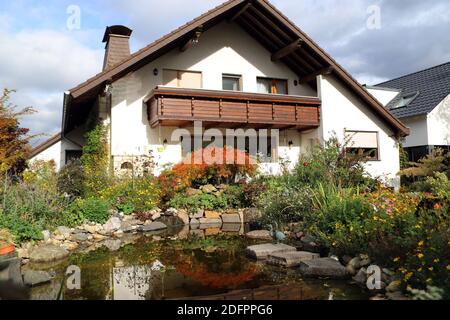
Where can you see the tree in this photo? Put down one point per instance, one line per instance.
(14, 140)
(436, 161)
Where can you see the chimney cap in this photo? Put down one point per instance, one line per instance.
(116, 30)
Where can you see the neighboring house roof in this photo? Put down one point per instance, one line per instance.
(426, 88)
(264, 22)
(44, 145)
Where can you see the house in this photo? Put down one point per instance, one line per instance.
(421, 100)
(242, 67)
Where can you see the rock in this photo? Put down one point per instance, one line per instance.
(378, 297)
(309, 244)
(46, 235)
(207, 222)
(64, 231)
(350, 269)
(171, 212)
(262, 251)
(212, 214)
(113, 224)
(361, 276)
(290, 259)
(48, 253)
(99, 237)
(112, 244)
(364, 260)
(154, 226)
(91, 229)
(156, 238)
(231, 218)
(394, 286)
(387, 275)
(79, 237)
(70, 246)
(183, 233)
(194, 223)
(323, 267)
(127, 226)
(193, 192)
(118, 234)
(209, 188)
(198, 214)
(197, 233)
(259, 234)
(32, 278)
(23, 253)
(355, 263)
(183, 215)
(156, 216)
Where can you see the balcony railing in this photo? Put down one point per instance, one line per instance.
(181, 107)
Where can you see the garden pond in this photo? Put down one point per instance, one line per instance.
(212, 266)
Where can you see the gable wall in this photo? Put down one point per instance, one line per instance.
(225, 48)
(438, 124)
(341, 111)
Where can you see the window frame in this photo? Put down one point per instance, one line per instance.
(273, 84)
(232, 76)
(360, 150)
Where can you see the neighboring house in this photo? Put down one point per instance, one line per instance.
(240, 65)
(421, 100)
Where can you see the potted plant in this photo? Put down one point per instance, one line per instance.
(6, 243)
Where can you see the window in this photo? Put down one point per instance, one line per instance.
(274, 86)
(126, 165)
(406, 100)
(73, 155)
(182, 79)
(363, 144)
(231, 82)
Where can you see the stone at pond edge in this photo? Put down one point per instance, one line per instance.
(207, 221)
(212, 214)
(393, 286)
(154, 226)
(290, 259)
(32, 278)
(261, 251)
(113, 224)
(209, 188)
(183, 216)
(48, 253)
(198, 214)
(80, 237)
(46, 235)
(323, 267)
(361, 276)
(193, 192)
(231, 218)
(64, 231)
(112, 244)
(259, 234)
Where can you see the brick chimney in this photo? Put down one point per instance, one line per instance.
(117, 39)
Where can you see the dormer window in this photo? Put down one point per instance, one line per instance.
(231, 82)
(405, 100)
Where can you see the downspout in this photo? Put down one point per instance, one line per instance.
(66, 104)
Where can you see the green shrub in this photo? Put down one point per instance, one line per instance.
(71, 179)
(202, 201)
(138, 194)
(21, 229)
(91, 209)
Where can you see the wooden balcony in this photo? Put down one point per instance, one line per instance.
(181, 107)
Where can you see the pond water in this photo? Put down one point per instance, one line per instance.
(195, 267)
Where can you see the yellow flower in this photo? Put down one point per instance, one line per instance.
(396, 259)
(420, 269)
(436, 260)
(431, 268)
(420, 243)
(408, 276)
(448, 267)
(420, 255)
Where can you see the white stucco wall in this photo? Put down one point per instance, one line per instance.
(438, 124)
(419, 131)
(383, 95)
(225, 49)
(341, 111)
(57, 153)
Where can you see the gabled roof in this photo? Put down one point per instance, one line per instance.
(261, 20)
(45, 145)
(430, 86)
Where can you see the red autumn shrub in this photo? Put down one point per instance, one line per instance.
(207, 166)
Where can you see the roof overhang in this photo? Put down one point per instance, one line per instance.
(266, 24)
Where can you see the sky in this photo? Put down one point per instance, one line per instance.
(45, 50)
